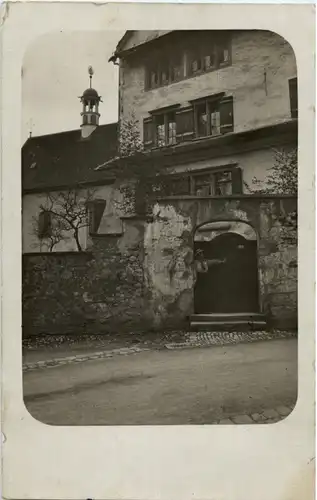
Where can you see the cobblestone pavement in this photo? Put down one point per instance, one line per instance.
(191, 340)
(197, 339)
(264, 417)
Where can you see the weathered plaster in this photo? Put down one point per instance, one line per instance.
(168, 259)
(169, 253)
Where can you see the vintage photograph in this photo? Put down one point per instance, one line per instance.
(159, 228)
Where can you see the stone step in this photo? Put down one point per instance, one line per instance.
(228, 322)
(245, 316)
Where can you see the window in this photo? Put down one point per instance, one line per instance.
(201, 51)
(210, 116)
(213, 116)
(165, 70)
(160, 130)
(45, 224)
(293, 97)
(96, 210)
(210, 52)
(222, 182)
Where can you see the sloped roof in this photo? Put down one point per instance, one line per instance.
(141, 37)
(65, 159)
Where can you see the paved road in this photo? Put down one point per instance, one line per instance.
(188, 386)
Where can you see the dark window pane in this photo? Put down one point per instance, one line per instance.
(179, 186)
(185, 124)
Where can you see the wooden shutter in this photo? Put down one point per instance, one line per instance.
(236, 177)
(184, 124)
(293, 97)
(226, 115)
(44, 224)
(148, 133)
(97, 209)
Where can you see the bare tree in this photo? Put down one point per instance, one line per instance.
(50, 235)
(68, 211)
(282, 179)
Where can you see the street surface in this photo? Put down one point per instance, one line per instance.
(184, 386)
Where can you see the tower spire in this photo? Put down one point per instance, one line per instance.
(90, 112)
(91, 72)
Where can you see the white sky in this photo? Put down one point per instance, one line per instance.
(55, 73)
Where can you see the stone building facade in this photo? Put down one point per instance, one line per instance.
(210, 111)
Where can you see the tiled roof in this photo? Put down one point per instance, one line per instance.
(65, 159)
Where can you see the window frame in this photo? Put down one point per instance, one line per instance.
(222, 40)
(212, 173)
(154, 116)
(212, 102)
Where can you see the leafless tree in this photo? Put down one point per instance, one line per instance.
(68, 211)
(282, 179)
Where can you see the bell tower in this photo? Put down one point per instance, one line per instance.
(90, 112)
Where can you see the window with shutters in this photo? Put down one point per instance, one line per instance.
(293, 97)
(45, 224)
(215, 182)
(213, 116)
(160, 130)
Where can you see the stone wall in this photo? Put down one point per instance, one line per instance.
(145, 278)
(86, 292)
(169, 254)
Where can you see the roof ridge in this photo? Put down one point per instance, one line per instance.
(64, 132)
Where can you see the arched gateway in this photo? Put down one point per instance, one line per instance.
(226, 264)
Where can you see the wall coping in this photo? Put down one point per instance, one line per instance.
(231, 197)
(57, 254)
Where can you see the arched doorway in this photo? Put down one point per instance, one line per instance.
(229, 283)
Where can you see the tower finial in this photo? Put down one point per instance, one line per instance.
(91, 72)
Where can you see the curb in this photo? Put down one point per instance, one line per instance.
(195, 340)
(82, 357)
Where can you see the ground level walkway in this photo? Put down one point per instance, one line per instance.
(236, 382)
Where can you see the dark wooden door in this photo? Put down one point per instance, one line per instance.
(231, 287)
